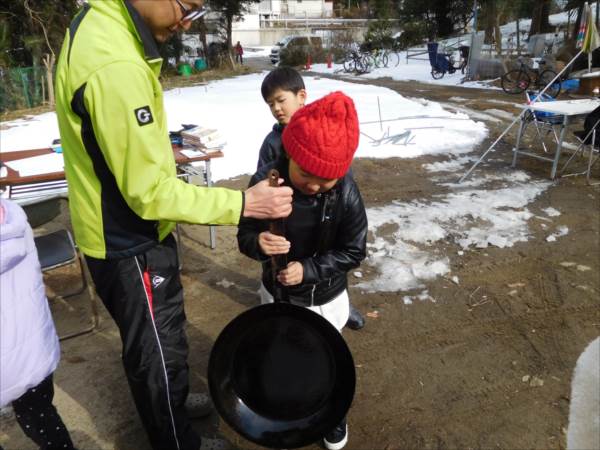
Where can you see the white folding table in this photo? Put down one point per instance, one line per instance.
(566, 108)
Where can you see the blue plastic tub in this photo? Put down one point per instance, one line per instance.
(569, 85)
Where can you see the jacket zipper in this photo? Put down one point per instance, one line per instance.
(312, 295)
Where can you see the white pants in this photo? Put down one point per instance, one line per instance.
(336, 311)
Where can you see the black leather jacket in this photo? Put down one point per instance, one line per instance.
(271, 148)
(328, 235)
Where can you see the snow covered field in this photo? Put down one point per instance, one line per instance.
(482, 212)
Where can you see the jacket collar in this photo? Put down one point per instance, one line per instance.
(127, 16)
(143, 33)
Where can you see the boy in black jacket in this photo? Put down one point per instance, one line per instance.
(284, 92)
(326, 233)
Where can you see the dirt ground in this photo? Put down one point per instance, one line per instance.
(487, 365)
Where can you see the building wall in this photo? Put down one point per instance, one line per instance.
(274, 9)
(270, 36)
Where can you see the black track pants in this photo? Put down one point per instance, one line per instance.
(144, 296)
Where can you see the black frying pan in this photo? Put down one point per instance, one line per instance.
(281, 375)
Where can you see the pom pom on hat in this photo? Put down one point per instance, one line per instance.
(322, 137)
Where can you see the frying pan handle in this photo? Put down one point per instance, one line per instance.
(278, 262)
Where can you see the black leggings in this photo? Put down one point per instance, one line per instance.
(39, 419)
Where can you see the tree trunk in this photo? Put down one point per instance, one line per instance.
(489, 21)
(229, 40)
(498, 35)
(202, 29)
(49, 61)
(540, 22)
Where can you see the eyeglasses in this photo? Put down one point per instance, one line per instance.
(191, 14)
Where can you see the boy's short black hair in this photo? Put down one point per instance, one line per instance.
(284, 78)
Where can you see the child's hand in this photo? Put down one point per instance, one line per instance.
(271, 244)
(292, 274)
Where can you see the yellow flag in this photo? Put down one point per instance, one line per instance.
(591, 40)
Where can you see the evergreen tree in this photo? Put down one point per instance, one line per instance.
(540, 22)
(440, 18)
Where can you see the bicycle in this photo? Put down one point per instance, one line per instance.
(442, 63)
(518, 80)
(355, 62)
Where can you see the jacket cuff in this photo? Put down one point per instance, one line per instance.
(309, 274)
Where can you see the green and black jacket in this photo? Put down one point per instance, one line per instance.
(124, 195)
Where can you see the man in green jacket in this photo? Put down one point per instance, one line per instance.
(125, 197)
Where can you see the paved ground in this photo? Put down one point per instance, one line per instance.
(487, 365)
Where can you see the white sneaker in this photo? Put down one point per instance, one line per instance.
(337, 438)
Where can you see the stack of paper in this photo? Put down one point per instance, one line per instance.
(207, 138)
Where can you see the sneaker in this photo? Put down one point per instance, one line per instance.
(198, 405)
(337, 438)
(214, 444)
(355, 319)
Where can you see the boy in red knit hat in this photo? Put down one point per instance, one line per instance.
(326, 233)
(284, 92)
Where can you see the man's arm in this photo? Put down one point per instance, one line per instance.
(138, 153)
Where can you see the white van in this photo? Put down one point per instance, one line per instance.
(305, 43)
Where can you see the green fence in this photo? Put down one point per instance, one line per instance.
(22, 87)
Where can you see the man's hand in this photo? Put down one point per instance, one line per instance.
(292, 274)
(265, 202)
(271, 244)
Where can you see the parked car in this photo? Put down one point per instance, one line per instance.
(305, 44)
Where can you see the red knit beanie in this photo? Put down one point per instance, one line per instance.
(323, 136)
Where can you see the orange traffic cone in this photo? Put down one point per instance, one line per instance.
(329, 61)
(308, 62)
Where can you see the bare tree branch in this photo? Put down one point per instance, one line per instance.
(35, 16)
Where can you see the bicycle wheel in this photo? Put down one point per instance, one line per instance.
(377, 61)
(546, 77)
(384, 60)
(380, 60)
(368, 62)
(360, 66)
(349, 65)
(437, 74)
(393, 59)
(515, 81)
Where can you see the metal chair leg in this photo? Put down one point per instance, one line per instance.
(93, 305)
(592, 161)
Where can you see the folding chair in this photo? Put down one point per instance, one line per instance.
(545, 123)
(56, 250)
(588, 138)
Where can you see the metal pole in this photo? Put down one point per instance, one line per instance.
(472, 168)
(473, 36)
(379, 108)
